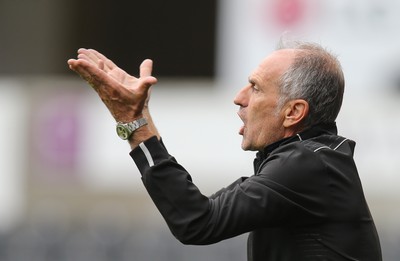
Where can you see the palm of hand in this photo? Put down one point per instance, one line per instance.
(124, 95)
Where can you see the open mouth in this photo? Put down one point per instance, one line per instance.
(242, 128)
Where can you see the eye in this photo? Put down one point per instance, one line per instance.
(254, 88)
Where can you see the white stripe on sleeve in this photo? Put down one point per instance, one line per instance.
(147, 154)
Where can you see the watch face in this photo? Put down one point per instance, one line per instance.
(122, 132)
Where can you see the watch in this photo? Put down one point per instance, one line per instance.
(125, 130)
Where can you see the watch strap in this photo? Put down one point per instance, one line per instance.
(136, 124)
(125, 130)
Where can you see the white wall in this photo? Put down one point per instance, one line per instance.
(13, 152)
(362, 32)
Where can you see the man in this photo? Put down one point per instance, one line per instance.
(305, 200)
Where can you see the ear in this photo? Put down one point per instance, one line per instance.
(295, 112)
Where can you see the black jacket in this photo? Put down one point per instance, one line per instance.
(305, 201)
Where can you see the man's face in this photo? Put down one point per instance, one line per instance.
(258, 101)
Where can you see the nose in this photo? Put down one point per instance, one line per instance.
(241, 97)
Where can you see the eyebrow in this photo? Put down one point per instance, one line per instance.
(252, 81)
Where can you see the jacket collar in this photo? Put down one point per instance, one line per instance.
(313, 131)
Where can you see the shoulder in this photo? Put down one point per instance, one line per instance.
(329, 142)
(294, 158)
(306, 159)
(314, 148)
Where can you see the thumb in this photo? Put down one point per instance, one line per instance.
(146, 68)
(148, 81)
(144, 86)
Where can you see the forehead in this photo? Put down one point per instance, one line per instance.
(274, 65)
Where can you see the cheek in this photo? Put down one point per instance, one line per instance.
(263, 111)
(258, 125)
(262, 114)
(265, 124)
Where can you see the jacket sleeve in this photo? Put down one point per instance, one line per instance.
(194, 218)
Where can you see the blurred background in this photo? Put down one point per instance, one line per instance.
(68, 188)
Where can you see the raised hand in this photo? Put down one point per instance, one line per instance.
(124, 95)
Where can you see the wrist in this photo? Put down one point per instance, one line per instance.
(126, 129)
(128, 117)
(142, 134)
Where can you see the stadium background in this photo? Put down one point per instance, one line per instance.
(68, 189)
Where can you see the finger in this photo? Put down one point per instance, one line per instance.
(71, 62)
(90, 73)
(88, 55)
(146, 68)
(78, 67)
(107, 62)
(85, 57)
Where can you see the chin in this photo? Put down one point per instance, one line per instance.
(246, 147)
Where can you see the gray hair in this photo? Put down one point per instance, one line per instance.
(315, 76)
